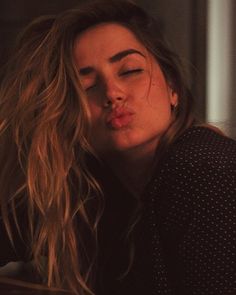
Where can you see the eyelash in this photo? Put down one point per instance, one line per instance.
(125, 73)
(128, 72)
(90, 87)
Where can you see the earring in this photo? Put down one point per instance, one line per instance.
(173, 107)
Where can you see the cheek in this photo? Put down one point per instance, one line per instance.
(159, 96)
(157, 110)
(95, 112)
(140, 88)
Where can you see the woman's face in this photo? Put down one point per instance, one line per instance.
(128, 96)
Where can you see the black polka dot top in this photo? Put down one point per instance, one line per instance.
(191, 203)
(184, 242)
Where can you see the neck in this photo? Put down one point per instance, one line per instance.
(133, 169)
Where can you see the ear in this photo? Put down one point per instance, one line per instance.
(174, 99)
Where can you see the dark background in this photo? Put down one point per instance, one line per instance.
(183, 21)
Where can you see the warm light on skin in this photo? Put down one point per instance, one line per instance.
(121, 72)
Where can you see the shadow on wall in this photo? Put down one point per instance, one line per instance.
(16, 14)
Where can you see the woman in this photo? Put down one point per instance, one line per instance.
(111, 187)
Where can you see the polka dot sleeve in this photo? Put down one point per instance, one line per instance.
(197, 210)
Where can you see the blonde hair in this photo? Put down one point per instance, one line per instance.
(44, 126)
(43, 135)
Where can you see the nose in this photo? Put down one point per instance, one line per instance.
(113, 93)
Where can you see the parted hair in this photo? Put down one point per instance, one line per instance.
(44, 129)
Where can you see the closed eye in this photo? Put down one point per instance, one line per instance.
(124, 73)
(90, 87)
(130, 72)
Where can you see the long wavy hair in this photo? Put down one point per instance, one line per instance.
(44, 126)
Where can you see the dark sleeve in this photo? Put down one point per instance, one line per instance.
(199, 226)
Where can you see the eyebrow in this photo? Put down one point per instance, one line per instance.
(115, 58)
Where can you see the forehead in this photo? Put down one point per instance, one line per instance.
(104, 40)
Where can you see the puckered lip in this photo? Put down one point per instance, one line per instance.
(118, 113)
